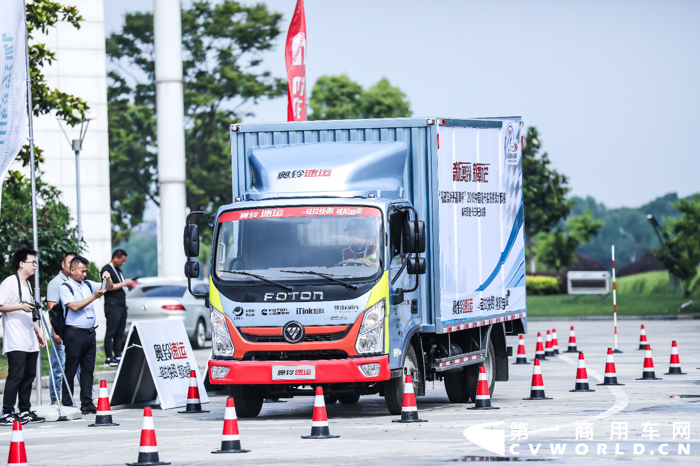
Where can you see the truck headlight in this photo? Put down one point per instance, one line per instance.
(370, 338)
(221, 343)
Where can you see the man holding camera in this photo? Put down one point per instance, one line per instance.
(77, 295)
(22, 338)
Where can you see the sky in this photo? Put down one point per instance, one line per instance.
(613, 87)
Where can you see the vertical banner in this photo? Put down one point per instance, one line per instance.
(295, 57)
(13, 76)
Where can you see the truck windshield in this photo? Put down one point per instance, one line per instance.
(343, 242)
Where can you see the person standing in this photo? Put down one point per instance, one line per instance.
(77, 296)
(115, 308)
(22, 338)
(58, 354)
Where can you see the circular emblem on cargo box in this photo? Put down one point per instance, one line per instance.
(293, 332)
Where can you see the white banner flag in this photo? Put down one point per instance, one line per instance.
(13, 90)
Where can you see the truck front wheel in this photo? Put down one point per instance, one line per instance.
(349, 399)
(393, 388)
(248, 400)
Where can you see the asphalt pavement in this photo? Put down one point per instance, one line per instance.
(611, 424)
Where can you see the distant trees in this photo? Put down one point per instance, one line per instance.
(558, 248)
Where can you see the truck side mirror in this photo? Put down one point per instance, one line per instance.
(191, 240)
(192, 269)
(416, 265)
(413, 234)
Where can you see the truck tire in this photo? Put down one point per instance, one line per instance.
(456, 386)
(248, 400)
(349, 399)
(472, 373)
(329, 400)
(393, 388)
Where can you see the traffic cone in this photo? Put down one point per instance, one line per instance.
(555, 342)
(148, 448)
(483, 398)
(572, 342)
(548, 351)
(642, 338)
(537, 388)
(539, 349)
(18, 455)
(648, 373)
(193, 403)
(675, 367)
(521, 358)
(610, 373)
(409, 410)
(104, 412)
(230, 440)
(581, 376)
(319, 424)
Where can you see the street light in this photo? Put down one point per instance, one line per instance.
(675, 281)
(77, 146)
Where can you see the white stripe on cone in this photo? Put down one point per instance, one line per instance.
(229, 438)
(408, 388)
(148, 423)
(409, 408)
(230, 413)
(146, 449)
(192, 401)
(16, 436)
(319, 423)
(319, 401)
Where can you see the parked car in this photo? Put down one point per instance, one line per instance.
(168, 298)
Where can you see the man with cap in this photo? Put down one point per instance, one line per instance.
(362, 250)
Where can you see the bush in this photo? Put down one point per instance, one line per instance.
(540, 285)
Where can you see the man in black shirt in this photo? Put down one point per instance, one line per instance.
(115, 308)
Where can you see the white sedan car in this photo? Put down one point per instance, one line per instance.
(169, 298)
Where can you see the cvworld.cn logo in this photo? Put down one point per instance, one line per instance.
(492, 440)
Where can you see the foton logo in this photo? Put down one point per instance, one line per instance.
(294, 295)
(293, 332)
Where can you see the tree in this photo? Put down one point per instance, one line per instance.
(558, 248)
(55, 233)
(340, 98)
(544, 192)
(222, 43)
(680, 252)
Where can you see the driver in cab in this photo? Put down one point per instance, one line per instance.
(362, 250)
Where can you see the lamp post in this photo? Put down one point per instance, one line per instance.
(675, 282)
(77, 146)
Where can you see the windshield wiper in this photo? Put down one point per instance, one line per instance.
(260, 277)
(349, 286)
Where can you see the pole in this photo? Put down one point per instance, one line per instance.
(614, 300)
(77, 146)
(35, 235)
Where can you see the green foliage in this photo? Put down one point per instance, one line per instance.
(558, 248)
(681, 253)
(627, 305)
(142, 260)
(544, 191)
(222, 45)
(340, 98)
(541, 285)
(647, 283)
(55, 234)
(93, 273)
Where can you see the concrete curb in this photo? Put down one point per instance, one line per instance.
(649, 317)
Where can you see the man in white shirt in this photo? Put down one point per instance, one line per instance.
(22, 338)
(77, 296)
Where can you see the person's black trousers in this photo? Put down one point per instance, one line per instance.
(81, 350)
(21, 372)
(114, 335)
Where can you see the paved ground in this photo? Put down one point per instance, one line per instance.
(367, 434)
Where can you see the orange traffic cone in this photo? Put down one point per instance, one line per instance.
(104, 412)
(483, 398)
(548, 351)
(610, 377)
(193, 403)
(409, 410)
(18, 455)
(521, 358)
(675, 367)
(319, 423)
(581, 376)
(148, 448)
(537, 388)
(555, 341)
(648, 373)
(539, 349)
(230, 440)
(642, 338)
(572, 342)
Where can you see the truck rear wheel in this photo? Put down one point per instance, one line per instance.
(393, 388)
(472, 373)
(456, 386)
(248, 400)
(349, 399)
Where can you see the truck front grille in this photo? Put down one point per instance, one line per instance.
(294, 355)
(334, 336)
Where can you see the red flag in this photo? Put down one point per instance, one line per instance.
(295, 56)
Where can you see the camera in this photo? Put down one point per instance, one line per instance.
(36, 313)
